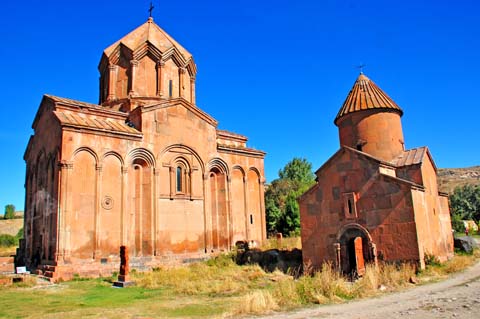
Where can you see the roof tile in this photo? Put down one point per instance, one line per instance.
(106, 124)
(365, 95)
(410, 157)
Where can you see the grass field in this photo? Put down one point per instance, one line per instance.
(217, 288)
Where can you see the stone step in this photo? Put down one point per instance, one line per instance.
(38, 272)
(49, 268)
(49, 274)
(49, 279)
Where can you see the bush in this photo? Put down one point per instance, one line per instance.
(8, 240)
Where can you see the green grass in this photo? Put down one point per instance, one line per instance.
(96, 298)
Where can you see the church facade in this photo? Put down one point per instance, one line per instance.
(374, 199)
(145, 168)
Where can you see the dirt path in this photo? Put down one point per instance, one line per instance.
(456, 297)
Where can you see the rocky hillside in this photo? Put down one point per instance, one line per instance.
(449, 178)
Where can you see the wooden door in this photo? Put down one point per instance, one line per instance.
(360, 263)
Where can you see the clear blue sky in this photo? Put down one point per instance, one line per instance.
(275, 71)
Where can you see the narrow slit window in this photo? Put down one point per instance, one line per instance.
(251, 219)
(350, 205)
(179, 179)
(170, 88)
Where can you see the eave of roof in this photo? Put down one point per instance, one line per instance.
(404, 181)
(240, 150)
(231, 136)
(172, 102)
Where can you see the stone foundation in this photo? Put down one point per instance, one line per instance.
(101, 268)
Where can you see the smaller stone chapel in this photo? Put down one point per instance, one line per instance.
(144, 168)
(374, 199)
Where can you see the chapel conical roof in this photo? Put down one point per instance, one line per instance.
(152, 33)
(366, 95)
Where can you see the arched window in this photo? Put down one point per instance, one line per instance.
(180, 183)
(181, 173)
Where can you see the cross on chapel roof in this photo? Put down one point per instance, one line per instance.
(151, 9)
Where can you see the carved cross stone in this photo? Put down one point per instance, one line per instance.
(124, 269)
(123, 278)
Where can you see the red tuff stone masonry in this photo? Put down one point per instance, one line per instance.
(373, 199)
(124, 267)
(145, 168)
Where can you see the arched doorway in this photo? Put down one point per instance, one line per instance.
(354, 249)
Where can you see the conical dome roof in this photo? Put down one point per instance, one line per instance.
(366, 95)
(152, 33)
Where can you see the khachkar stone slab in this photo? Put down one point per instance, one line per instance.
(123, 277)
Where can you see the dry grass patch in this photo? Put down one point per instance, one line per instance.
(286, 243)
(442, 270)
(7, 251)
(256, 302)
(219, 276)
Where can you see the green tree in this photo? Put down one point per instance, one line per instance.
(298, 170)
(9, 211)
(282, 210)
(465, 205)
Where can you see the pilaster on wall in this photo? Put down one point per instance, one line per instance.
(123, 209)
(181, 75)
(29, 202)
(134, 67)
(160, 66)
(245, 205)
(112, 80)
(98, 190)
(171, 171)
(152, 210)
(192, 90)
(63, 230)
(261, 184)
(207, 214)
(156, 219)
(229, 211)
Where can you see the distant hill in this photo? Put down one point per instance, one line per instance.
(449, 178)
(10, 226)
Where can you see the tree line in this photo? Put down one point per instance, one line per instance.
(464, 205)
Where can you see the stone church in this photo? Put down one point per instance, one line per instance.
(145, 168)
(374, 199)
